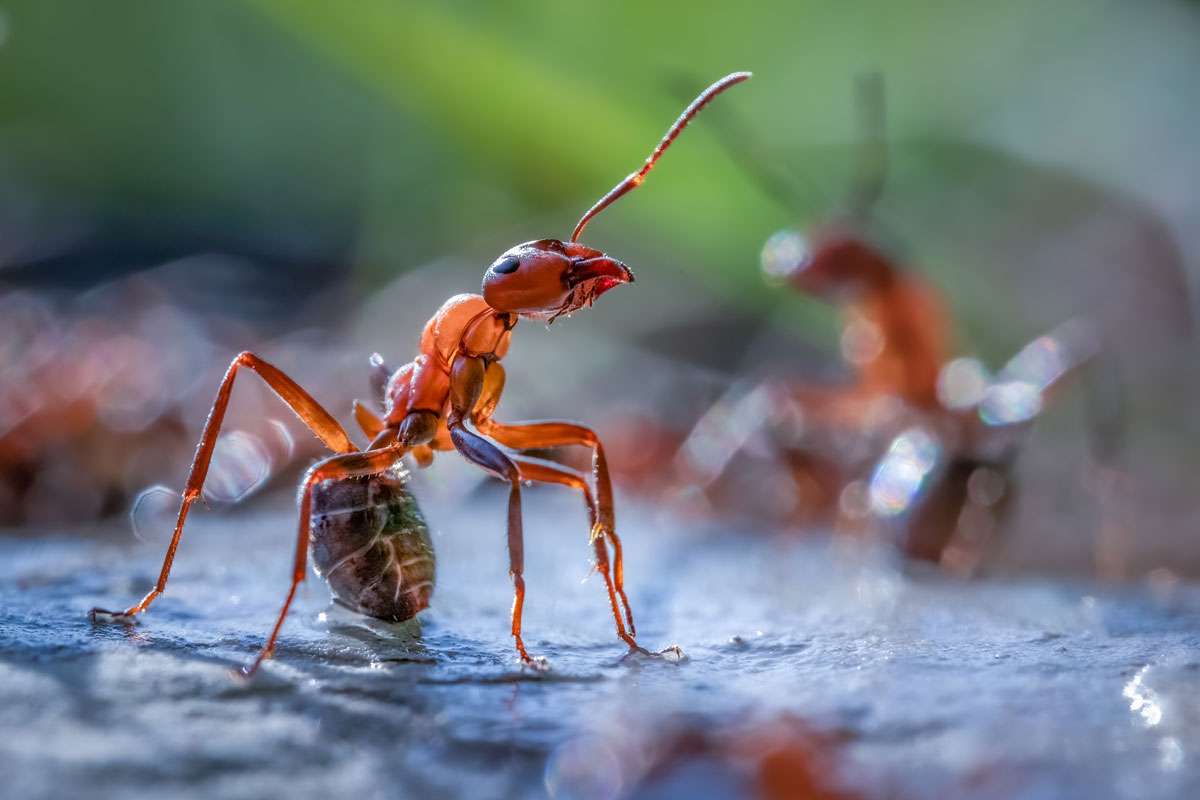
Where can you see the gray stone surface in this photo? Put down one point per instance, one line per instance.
(1014, 687)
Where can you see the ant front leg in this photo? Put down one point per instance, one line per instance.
(318, 420)
(531, 435)
(466, 385)
(368, 420)
(537, 470)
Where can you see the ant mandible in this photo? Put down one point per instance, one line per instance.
(454, 384)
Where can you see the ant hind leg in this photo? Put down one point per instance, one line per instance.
(310, 412)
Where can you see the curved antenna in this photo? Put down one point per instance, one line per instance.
(871, 169)
(752, 156)
(635, 179)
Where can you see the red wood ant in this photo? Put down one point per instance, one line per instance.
(433, 402)
(895, 336)
(897, 447)
(896, 327)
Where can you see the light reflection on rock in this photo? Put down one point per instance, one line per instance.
(1142, 699)
(901, 474)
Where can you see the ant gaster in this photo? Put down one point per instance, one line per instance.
(453, 385)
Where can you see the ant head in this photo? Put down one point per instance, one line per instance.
(833, 263)
(547, 278)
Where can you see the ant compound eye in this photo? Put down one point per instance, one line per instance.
(506, 265)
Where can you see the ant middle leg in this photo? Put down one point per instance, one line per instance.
(531, 435)
(310, 412)
(536, 470)
(484, 454)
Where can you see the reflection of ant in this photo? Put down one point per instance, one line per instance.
(432, 403)
(773, 758)
(909, 438)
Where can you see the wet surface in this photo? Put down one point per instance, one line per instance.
(917, 685)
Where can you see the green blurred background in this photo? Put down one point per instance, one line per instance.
(399, 132)
(1042, 163)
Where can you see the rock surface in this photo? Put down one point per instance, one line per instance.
(930, 687)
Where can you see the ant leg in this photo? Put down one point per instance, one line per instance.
(380, 376)
(484, 454)
(529, 435)
(318, 420)
(367, 420)
(536, 470)
(353, 465)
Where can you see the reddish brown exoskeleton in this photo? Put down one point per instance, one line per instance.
(444, 400)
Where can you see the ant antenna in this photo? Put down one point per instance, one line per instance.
(872, 158)
(635, 179)
(749, 153)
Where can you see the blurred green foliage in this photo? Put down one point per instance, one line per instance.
(421, 129)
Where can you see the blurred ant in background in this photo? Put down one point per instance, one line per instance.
(895, 337)
(442, 400)
(94, 391)
(915, 444)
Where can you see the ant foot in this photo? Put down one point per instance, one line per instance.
(97, 615)
(536, 663)
(636, 649)
(636, 654)
(672, 655)
(247, 671)
(244, 673)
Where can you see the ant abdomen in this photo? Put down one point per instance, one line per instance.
(370, 542)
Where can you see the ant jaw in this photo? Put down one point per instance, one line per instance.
(604, 272)
(587, 279)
